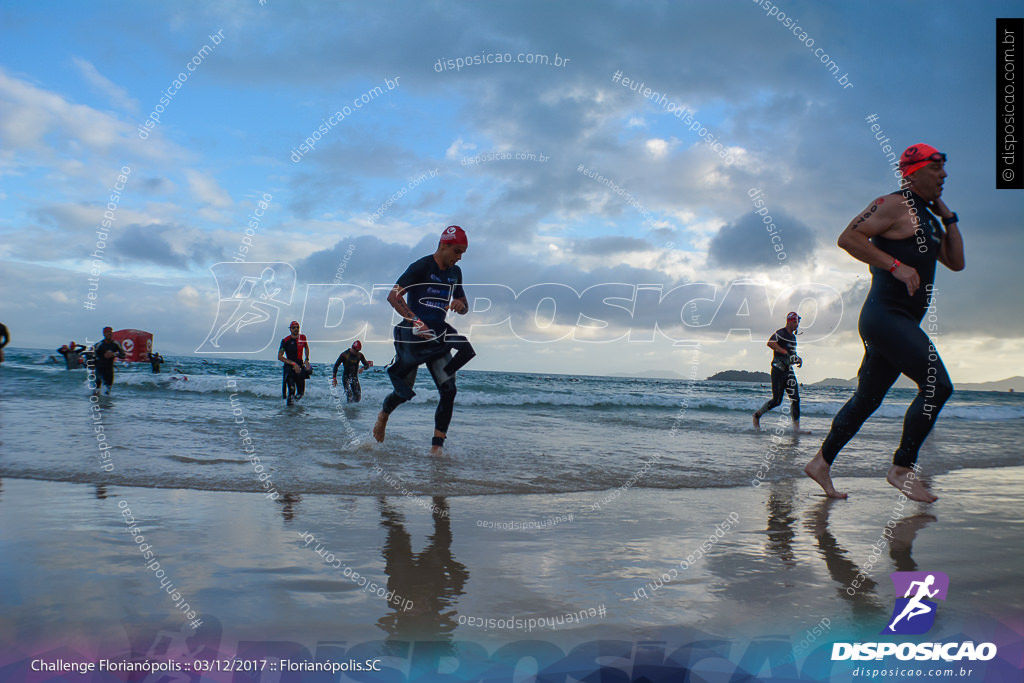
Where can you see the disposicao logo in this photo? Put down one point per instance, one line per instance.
(914, 614)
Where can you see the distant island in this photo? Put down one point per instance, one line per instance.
(740, 376)
(1008, 384)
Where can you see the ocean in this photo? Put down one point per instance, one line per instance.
(226, 428)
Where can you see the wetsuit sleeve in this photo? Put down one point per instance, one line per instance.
(120, 350)
(415, 274)
(341, 356)
(362, 359)
(458, 292)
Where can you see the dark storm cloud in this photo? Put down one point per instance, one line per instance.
(748, 242)
(147, 244)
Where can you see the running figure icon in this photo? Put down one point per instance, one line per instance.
(915, 607)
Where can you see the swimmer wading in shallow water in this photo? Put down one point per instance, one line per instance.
(423, 295)
(901, 239)
(783, 343)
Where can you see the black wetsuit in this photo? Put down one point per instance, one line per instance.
(783, 377)
(350, 360)
(72, 356)
(155, 359)
(894, 343)
(105, 366)
(429, 290)
(293, 384)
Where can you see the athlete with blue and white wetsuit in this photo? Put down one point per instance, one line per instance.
(423, 295)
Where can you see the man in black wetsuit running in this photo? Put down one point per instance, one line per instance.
(104, 354)
(783, 343)
(433, 285)
(293, 348)
(900, 237)
(349, 360)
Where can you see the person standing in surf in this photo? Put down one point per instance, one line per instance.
(423, 295)
(104, 354)
(350, 360)
(292, 351)
(900, 238)
(72, 355)
(783, 343)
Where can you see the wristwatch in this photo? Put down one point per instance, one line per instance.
(952, 219)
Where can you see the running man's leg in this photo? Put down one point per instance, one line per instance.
(403, 375)
(346, 383)
(874, 378)
(463, 350)
(446, 404)
(778, 387)
(357, 391)
(107, 377)
(793, 389)
(920, 362)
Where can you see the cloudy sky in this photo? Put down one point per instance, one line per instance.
(607, 231)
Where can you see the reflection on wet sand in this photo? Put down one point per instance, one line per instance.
(287, 503)
(855, 584)
(432, 579)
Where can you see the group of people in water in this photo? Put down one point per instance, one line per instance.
(99, 359)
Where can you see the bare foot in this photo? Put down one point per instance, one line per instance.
(380, 426)
(818, 470)
(438, 450)
(797, 430)
(910, 484)
(757, 422)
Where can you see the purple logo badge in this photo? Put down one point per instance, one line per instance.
(914, 612)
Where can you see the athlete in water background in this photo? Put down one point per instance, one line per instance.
(294, 353)
(350, 360)
(783, 344)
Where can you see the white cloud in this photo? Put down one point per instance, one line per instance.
(189, 296)
(117, 95)
(457, 148)
(656, 147)
(207, 191)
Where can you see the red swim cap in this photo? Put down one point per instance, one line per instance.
(357, 345)
(792, 316)
(455, 235)
(916, 157)
(294, 322)
(105, 329)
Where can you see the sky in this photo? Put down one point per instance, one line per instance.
(608, 233)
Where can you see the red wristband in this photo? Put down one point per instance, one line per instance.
(895, 264)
